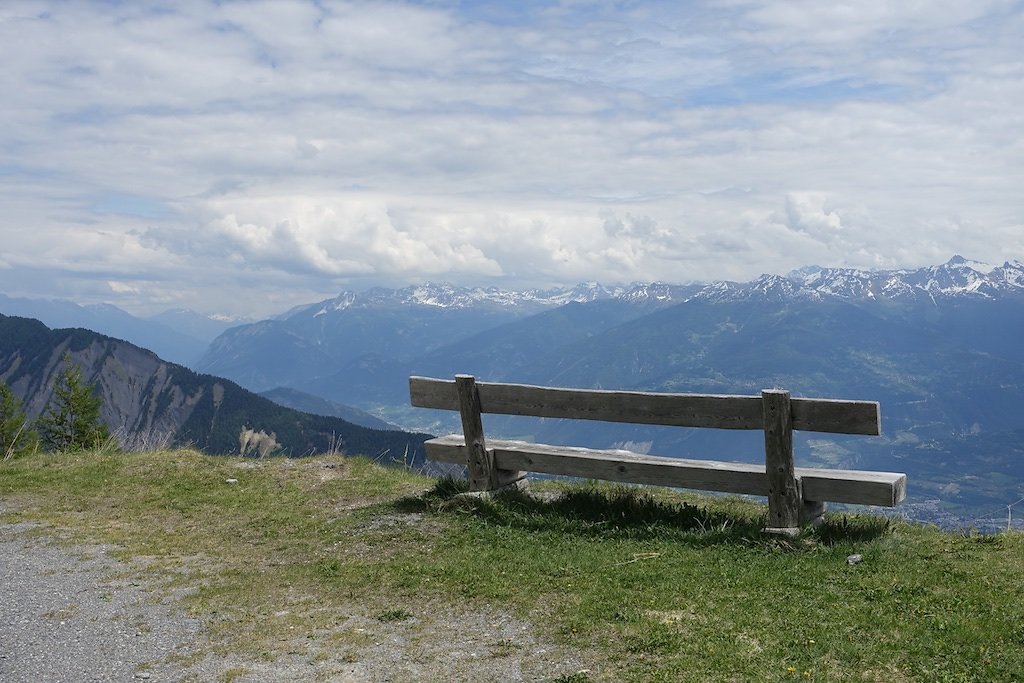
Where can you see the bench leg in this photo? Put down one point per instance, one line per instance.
(503, 480)
(783, 487)
(512, 485)
(811, 512)
(483, 475)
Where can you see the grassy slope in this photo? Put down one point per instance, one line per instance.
(662, 586)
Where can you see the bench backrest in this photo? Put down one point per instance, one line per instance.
(639, 407)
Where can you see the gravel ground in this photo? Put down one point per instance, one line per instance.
(76, 613)
(67, 616)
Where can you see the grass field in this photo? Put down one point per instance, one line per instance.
(646, 585)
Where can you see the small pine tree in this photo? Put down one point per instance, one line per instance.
(71, 421)
(16, 435)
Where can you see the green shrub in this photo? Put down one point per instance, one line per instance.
(71, 421)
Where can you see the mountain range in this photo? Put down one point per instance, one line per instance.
(179, 336)
(939, 348)
(335, 348)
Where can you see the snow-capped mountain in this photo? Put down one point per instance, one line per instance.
(958, 277)
(446, 295)
(314, 340)
(658, 293)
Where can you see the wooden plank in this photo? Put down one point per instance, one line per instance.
(625, 467)
(427, 392)
(681, 410)
(860, 487)
(450, 449)
(784, 499)
(836, 416)
(640, 407)
(840, 486)
(479, 461)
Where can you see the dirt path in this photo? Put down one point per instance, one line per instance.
(76, 613)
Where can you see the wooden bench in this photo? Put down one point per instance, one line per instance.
(796, 495)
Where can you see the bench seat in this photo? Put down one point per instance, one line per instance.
(818, 484)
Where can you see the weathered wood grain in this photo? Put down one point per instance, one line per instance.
(836, 416)
(479, 461)
(860, 487)
(839, 486)
(638, 407)
(484, 474)
(783, 489)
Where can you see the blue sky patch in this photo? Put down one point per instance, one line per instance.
(131, 205)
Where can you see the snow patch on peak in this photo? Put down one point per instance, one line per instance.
(805, 273)
(340, 302)
(977, 266)
(1010, 274)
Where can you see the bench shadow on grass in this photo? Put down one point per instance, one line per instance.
(600, 510)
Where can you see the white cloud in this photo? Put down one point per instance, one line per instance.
(241, 156)
(808, 212)
(122, 287)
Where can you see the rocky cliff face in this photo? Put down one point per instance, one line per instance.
(146, 401)
(141, 394)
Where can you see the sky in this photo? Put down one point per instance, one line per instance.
(240, 158)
